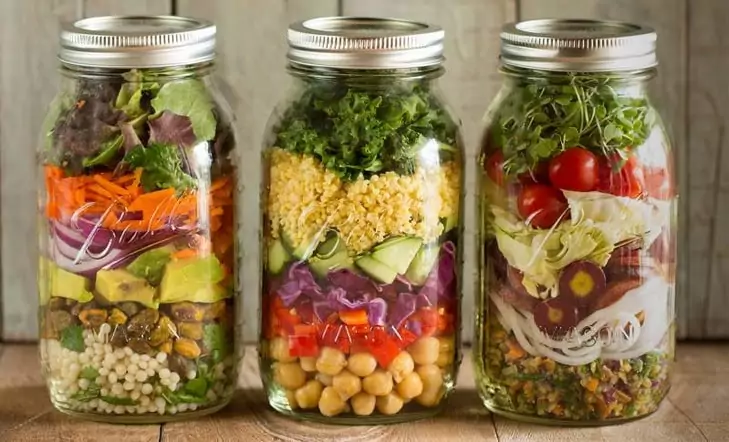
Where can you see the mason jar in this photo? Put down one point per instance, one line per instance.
(575, 323)
(138, 263)
(361, 204)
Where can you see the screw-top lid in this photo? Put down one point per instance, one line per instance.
(365, 43)
(137, 42)
(578, 45)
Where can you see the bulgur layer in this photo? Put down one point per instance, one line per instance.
(512, 380)
(304, 198)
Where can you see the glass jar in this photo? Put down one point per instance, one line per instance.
(575, 323)
(362, 227)
(137, 224)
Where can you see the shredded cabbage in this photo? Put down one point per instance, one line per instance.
(599, 223)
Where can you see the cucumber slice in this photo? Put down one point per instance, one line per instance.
(328, 248)
(376, 269)
(423, 263)
(278, 256)
(397, 253)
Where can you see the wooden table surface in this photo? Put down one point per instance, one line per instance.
(697, 409)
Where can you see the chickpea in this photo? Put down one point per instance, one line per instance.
(289, 375)
(346, 384)
(378, 383)
(279, 349)
(430, 375)
(291, 397)
(362, 364)
(425, 350)
(308, 364)
(410, 387)
(331, 361)
(401, 366)
(308, 396)
(446, 352)
(325, 379)
(431, 396)
(330, 403)
(391, 403)
(363, 404)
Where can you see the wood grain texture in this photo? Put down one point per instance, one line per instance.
(668, 18)
(28, 78)
(252, 50)
(708, 172)
(117, 7)
(696, 411)
(471, 81)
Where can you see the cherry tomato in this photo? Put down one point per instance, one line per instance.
(539, 175)
(658, 183)
(621, 177)
(541, 205)
(494, 166)
(574, 169)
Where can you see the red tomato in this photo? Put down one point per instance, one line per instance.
(574, 169)
(658, 182)
(541, 205)
(494, 166)
(539, 174)
(621, 177)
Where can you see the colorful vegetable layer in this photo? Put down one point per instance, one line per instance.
(360, 294)
(579, 252)
(137, 267)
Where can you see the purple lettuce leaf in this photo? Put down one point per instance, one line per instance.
(170, 128)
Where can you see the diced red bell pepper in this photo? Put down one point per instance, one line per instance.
(303, 341)
(335, 336)
(428, 318)
(383, 346)
(406, 337)
(354, 317)
(446, 322)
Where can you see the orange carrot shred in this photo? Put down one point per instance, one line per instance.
(101, 191)
(111, 187)
(185, 253)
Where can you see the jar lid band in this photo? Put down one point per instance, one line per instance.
(364, 43)
(126, 42)
(578, 45)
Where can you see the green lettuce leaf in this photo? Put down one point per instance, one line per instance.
(109, 150)
(188, 98)
(216, 341)
(162, 167)
(113, 400)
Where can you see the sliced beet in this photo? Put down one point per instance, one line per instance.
(614, 292)
(522, 301)
(582, 282)
(557, 316)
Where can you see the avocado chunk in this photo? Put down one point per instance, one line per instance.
(322, 266)
(120, 285)
(62, 284)
(376, 269)
(150, 264)
(278, 256)
(398, 252)
(423, 263)
(191, 279)
(303, 251)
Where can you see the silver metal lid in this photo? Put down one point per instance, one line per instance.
(137, 42)
(365, 43)
(578, 45)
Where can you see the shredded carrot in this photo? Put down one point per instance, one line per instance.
(184, 254)
(219, 184)
(111, 187)
(101, 191)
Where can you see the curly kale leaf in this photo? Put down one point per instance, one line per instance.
(357, 132)
(540, 119)
(162, 167)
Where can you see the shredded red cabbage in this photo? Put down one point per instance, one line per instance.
(390, 304)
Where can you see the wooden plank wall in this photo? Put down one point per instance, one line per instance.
(691, 91)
